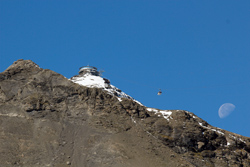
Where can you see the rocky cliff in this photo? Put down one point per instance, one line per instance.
(48, 120)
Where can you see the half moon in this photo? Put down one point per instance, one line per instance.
(226, 109)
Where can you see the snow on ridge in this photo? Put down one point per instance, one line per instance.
(236, 138)
(216, 130)
(165, 113)
(220, 132)
(93, 81)
(152, 109)
(90, 81)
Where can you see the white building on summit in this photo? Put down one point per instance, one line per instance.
(89, 70)
(90, 77)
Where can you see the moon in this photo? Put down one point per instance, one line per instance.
(226, 109)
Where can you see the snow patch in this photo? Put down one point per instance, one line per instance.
(211, 129)
(235, 138)
(152, 109)
(218, 131)
(133, 119)
(202, 125)
(93, 81)
(165, 113)
(90, 81)
(36, 66)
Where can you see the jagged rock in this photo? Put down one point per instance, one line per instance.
(200, 144)
(47, 120)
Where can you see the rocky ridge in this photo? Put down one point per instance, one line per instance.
(48, 120)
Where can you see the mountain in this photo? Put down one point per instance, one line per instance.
(49, 120)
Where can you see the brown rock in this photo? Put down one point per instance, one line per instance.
(45, 119)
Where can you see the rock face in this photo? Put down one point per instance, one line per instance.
(47, 120)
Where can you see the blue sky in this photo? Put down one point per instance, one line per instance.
(197, 52)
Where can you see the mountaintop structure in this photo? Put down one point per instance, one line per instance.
(89, 70)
